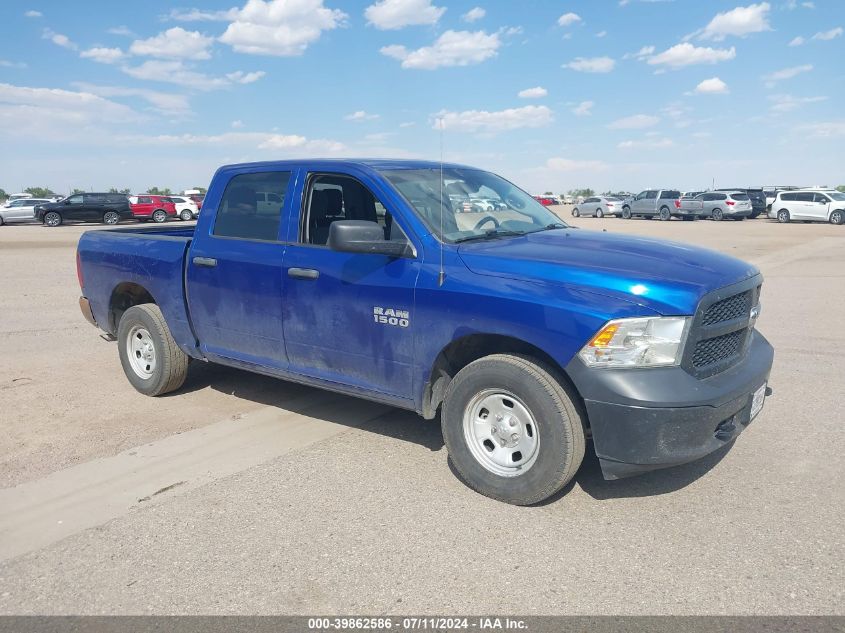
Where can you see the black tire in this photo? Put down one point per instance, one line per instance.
(717, 215)
(576, 213)
(599, 213)
(665, 214)
(186, 215)
(159, 216)
(783, 216)
(687, 218)
(171, 366)
(837, 216)
(556, 416)
(2, 221)
(52, 218)
(626, 213)
(111, 217)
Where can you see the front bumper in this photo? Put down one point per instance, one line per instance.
(646, 419)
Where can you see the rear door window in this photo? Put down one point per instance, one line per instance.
(740, 196)
(820, 197)
(670, 195)
(804, 196)
(241, 216)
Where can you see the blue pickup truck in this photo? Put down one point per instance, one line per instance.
(383, 279)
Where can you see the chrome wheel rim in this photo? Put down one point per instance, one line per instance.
(159, 216)
(836, 217)
(501, 433)
(111, 217)
(783, 216)
(186, 215)
(141, 351)
(52, 219)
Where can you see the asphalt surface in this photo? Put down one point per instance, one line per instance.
(352, 508)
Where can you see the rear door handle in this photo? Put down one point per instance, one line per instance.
(209, 262)
(303, 273)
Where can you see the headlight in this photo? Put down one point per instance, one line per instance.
(637, 342)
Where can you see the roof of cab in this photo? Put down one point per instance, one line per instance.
(372, 163)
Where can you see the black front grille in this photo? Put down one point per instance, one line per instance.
(734, 307)
(721, 329)
(718, 349)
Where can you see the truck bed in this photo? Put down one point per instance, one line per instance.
(152, 258)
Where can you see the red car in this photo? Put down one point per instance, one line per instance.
(198, 198)
(545, 200)
(146, 207)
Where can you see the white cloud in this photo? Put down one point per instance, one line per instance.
(828, 35)
(58, 39)
(453, 48)
(824, 129)
(583, 109)
(240, 77)
(121, 30)
(199, 15)
(172, 104)
(175, 72)
(103, 55)
(396, 14)
(601, 33)
(591, 64)
(361, 115)
(5, 63)
(712, 86)
(533, 93)
(474, 14)
(491, 122)
(635, 122)
(786, 73)
(686, 54)
(280, 27)
(568, 164)
(407, 124)
(788, 103)
(796, 41)
(34, 14)
(644, 53)
(649, 143)
(293, 144)
(237, 124)
(568, 19)
(738, 22)
(56, 113)
(175, 43)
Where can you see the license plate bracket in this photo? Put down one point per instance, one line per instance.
(757, 400)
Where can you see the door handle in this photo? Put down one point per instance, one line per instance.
(209, 262)
(303, 273)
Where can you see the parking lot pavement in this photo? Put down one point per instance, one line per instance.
(368, 518)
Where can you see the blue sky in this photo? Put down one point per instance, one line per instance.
(610, 94)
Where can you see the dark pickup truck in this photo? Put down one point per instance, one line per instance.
(527, 336)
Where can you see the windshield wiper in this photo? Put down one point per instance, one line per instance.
(490, 234)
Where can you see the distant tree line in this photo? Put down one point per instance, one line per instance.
(46, 192)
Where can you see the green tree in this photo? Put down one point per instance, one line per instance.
(841, 188)
(548, 193)
(125, 192)
(202, 190)
(584, 193)
(75, 190)
(3, 194)
(159, 192)
(39, 192)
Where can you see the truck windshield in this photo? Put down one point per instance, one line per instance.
(470, 204)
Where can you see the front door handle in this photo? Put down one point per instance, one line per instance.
(303, 273)
(209, 262)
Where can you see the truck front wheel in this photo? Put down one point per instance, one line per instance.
(513, 432)
(151, 360)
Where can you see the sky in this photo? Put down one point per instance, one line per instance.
(552, 94)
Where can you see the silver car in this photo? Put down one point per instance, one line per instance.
(20, 210)
(598, 206)
(719, 205)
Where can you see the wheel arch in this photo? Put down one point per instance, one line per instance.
(462, 351)
(125, 295)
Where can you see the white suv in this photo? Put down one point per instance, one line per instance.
(186, 209)
(818, 205)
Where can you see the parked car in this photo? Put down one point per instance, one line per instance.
(718, 205)
(661, 203)
(810, 206)
(520, 333)
(18, 196)
(186, 209)
(20, 210)
(198, 199)
(757, 197)
(546, 201)
(108, 208)
(690, 194)
(598, 206)
(771, 192)
(146, 207)
(268, 201)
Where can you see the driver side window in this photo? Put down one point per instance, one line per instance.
(77, 199)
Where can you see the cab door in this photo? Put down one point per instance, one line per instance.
(820, 207)
(349, 317)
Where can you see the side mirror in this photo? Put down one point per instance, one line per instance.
(66, 201)
(360, 236)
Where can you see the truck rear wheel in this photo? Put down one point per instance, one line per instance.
(151, 360)
(513, 432)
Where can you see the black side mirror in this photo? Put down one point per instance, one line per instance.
(361, 236)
